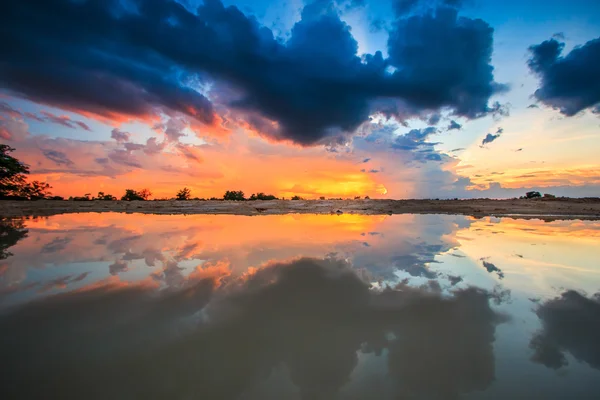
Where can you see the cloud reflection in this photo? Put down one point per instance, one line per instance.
(205, 340)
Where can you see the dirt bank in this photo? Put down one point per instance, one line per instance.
(547, 208)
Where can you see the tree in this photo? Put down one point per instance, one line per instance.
(13, 183)
(106, 197)
(11, 231)
(10, 166)
(532, 195)
(131, 195)
(145, 194)
(35, 190)
(184, 194)
(236, 195)
(262, 196)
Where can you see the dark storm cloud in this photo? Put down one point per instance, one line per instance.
(310, 316)
(569, 83)
(108, 59)
(570, 323)
(58, 157)
(419, 45)
(454, 125)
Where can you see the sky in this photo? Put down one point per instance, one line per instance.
(388, 98)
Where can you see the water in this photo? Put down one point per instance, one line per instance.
(120, 306)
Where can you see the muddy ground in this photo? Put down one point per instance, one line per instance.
(547, 208)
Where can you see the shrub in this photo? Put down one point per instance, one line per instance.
(184, 194)
(131, 194)
(297, 198)
(106, 197)
(532, 195)
(549, 196)
(262, 196)
(235, 195)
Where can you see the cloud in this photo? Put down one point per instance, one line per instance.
(454, 126)
(119, 135)
(434, 119)
(570, 323)
(419, 44)
(316, 338)
(491, 268)
(130, 62)
(124, 157)
(6, 108)
(58, 157)
(173, 129)
(366, 160)
(568, 83)
(117, 267)
(489, 138)
(63, 120)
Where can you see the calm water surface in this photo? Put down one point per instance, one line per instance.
(128, 306)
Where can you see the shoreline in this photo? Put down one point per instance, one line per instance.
(560, 208)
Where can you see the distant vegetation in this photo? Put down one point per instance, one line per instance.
(262, 196)
(131, 194)
(235, 195)
(184, 194)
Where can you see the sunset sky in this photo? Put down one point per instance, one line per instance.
(386, 98)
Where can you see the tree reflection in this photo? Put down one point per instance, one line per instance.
(11, 231)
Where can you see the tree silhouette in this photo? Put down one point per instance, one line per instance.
(262, 196)
(107, 197)
(13, 183)
(131, 194)
(236, 195)
(11, 231)
(184, 194)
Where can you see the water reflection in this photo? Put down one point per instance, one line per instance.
(299, 307)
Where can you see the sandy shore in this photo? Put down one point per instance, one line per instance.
(546, 208)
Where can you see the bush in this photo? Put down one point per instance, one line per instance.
(549, 196)
(262, 196)
(131, 194)
(297, 198)
(532, 195)
(106, 197)
(56, 198)
(184, 194)
(367, 198)
(235, 195)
